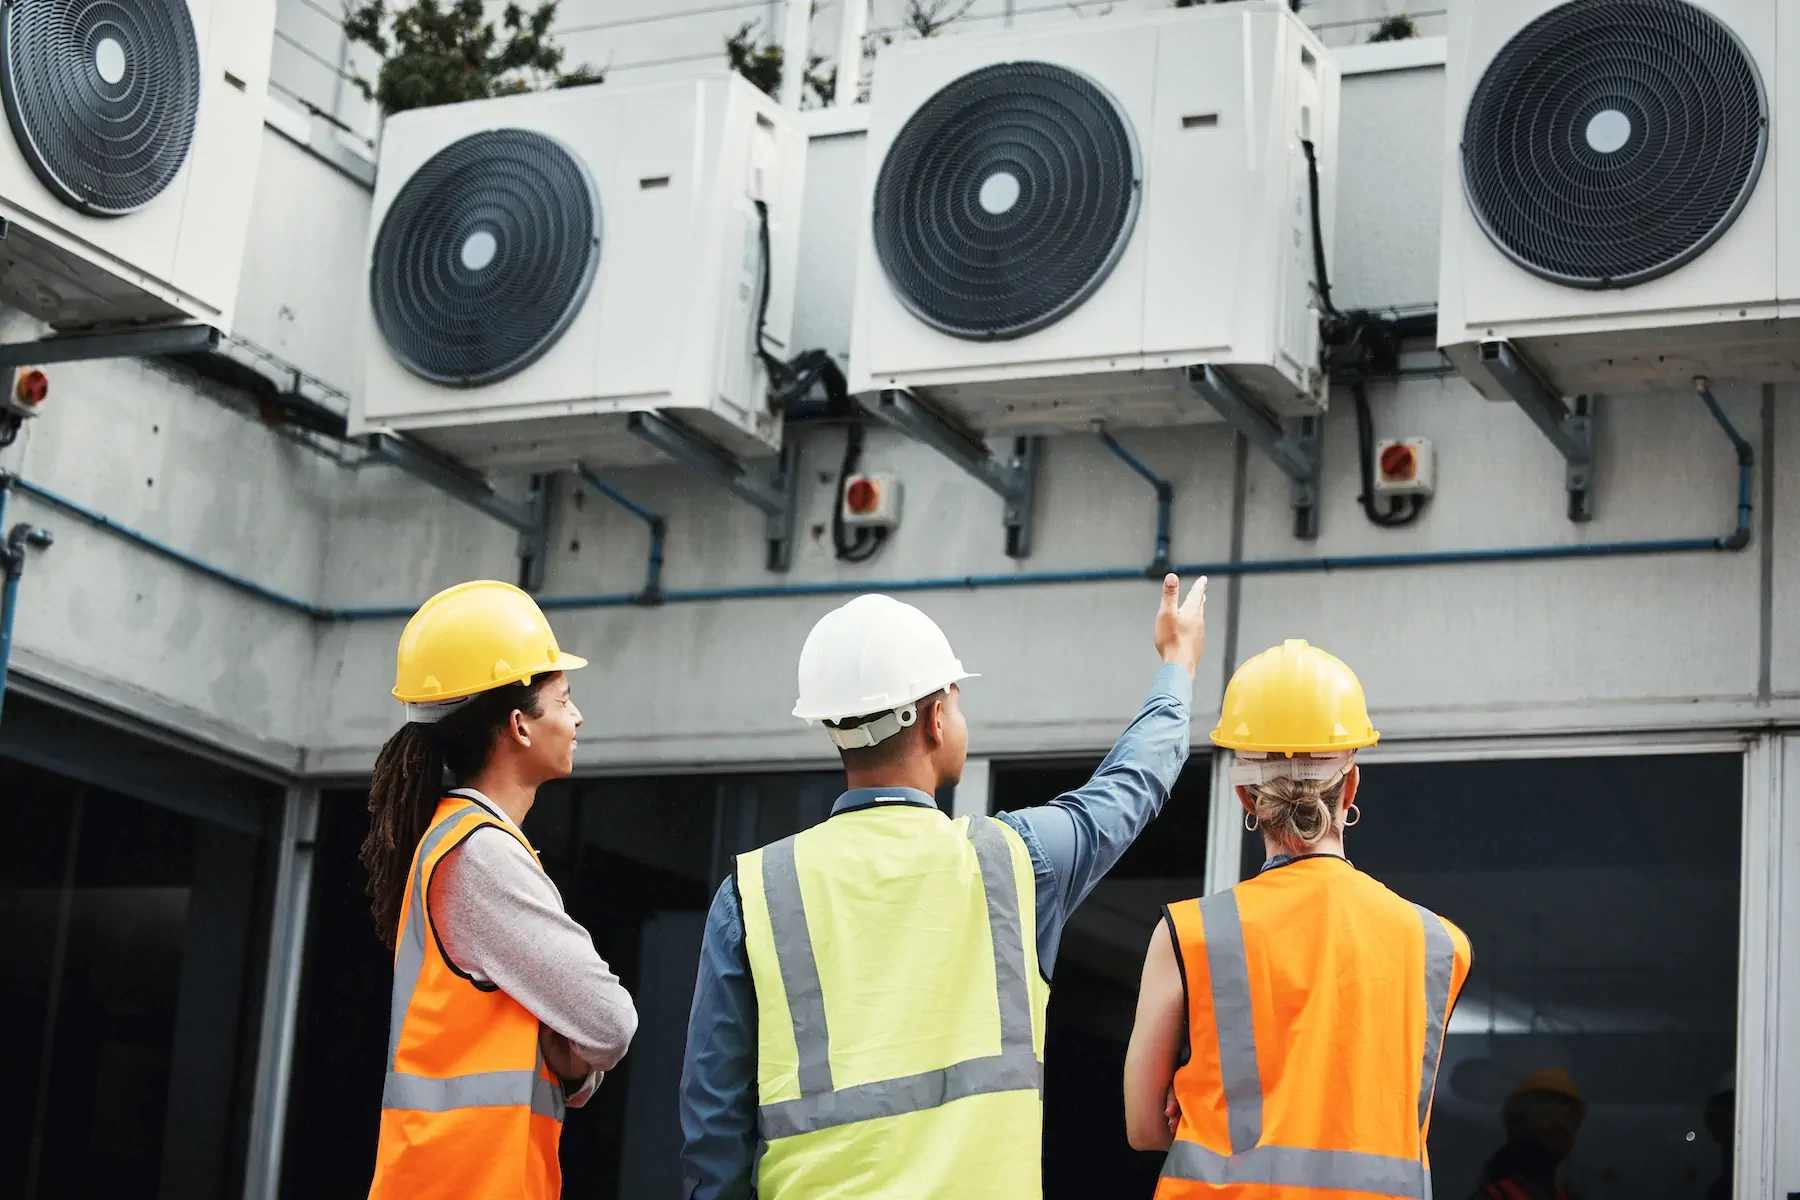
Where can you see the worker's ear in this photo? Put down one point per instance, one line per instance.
(1244, 798)
(1351, 782)
(931, 721)
(517, 728)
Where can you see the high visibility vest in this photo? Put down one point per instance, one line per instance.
(1317, 1004)
(468, 1110)
(900, 1009)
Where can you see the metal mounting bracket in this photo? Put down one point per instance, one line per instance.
(1013, 479)
(459, 482)
(775, 497)
(1570, 428)
(118, 343)
(534, 543)
(1293, 447)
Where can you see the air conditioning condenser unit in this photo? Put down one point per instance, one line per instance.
(544, 266)
(129, 168)
(1063, 225)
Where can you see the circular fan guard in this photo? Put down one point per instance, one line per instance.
(102, 96)
(1612, 141)
(1006, 199)
(485, 257)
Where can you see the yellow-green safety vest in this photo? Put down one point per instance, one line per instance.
(900, 1027)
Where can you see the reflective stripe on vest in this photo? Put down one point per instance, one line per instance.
(823, 1106)
(1250, 1161)
(468, 1107)
(484, 1089)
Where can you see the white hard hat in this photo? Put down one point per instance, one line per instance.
(872, 656)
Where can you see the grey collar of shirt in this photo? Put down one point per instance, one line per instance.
(859, 798)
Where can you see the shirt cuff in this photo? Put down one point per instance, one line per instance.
(582, 1094)
(1174, 682)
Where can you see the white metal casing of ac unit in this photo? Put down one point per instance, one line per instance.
(1218, 268)
(1721, 314)
(179, 257)
(669, 322)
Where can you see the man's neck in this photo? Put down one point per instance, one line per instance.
(919, 777)
(510, 795)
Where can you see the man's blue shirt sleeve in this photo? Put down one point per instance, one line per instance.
(718, 1076)
(1075, 839)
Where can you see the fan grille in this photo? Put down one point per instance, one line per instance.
(102, 96)
(485, 257)
(1006, 200)
(1612, 141)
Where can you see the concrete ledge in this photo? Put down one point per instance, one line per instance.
(1408, 54)
(121, 706)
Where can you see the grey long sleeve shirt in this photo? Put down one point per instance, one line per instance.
(501, 921)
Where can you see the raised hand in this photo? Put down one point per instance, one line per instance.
(1181, 626)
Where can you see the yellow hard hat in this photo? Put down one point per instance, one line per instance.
(1294, 699)
(473, 638)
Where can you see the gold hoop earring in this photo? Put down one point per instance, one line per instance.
(1352, 815)
(1250, 823)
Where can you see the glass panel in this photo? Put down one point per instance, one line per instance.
(1095, 981)
(1601, 898)
(133, 992)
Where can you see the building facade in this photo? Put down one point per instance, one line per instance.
(1584, 761)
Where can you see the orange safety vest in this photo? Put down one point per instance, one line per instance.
(1317, 1002)
(469, 1110)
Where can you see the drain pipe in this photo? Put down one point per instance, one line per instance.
(1165, 500)
(12, 561)
(1738, 538)
(1735, 540)
(652, 593)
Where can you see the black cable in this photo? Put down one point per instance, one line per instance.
(1322, 279)
(778, 370)
(1401, 510)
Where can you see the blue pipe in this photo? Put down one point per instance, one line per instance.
(1737, 539)
(652, 593)
(163, 549)
(1165, 502)
(1746, 460)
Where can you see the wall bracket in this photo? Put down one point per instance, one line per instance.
(149, 342)
(1570, 428)
(1293, 446)
(775, 497)
(1013, 479)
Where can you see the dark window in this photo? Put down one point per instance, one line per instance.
(1094, 986)
(131, 987)
(1601, 899)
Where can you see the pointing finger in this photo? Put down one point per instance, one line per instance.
(1171, 591)
(1196, 599)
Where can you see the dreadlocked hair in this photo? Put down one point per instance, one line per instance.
(410, 780)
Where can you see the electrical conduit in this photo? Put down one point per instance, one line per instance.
(1736, 539)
